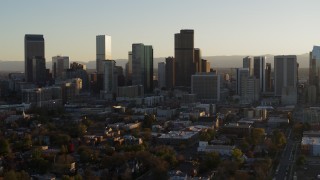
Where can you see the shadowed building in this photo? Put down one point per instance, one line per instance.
(259, 70)
(142, 66)
(33, 47)
(184, 56)
(170, 72)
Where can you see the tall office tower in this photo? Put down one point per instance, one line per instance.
(205, 66)
(259, 70)
(59, 65)
(33, 47)
(314, 66)
(250, 89)
(120, 76)
(142, 66)
(161, 74)
(242, 75)
(129, 69)
(206, 86)
(170, 72)
(184, 57)
(285, 73)
(248, 63)
(268, 84)
(78, 70)
(39, 75)
(197, 59)
(110, 77)
(103, 51)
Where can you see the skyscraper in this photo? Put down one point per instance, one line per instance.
(242, 75)
(110, 77)
(205, 65)
(33, 48)
(142, 66)
(314, 66)
(197, 59)
(39, 75)
(206, 86)
(184, 57)
(59, 65)
(103, 51)
(161, 74)
(170, 72)
(268, 78)
(285, 72)
(247, 63)
(259, 70)
(129, 69)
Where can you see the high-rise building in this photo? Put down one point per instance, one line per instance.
(39, 75)
(184, 57)
(250, 89)
(59, 65)
(142, 66)
(206, 86)
(161, 74)
(242, 75)
(248, 63)
(314, 66)
(285, 73)
(268, 84)
(110, 77)
(197, 59)
(170, 72)
(205, 66)
(103, 51)
(259, 70)
(78, 70)
(129, 69)
(33, 47)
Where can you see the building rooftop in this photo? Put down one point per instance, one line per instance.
(178, 135)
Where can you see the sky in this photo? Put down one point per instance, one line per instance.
(224, 27)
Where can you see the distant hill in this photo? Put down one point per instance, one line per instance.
(215, 61)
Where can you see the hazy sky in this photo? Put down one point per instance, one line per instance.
(225, 27)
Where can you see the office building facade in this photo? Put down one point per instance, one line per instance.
(59, 65)
(142, 66)
(103, 51)
(161, 75)
(247, 62)
(285, 73)
(170, 72)
(259, 70)
(184, 57)
(33, 48)
(206, 86)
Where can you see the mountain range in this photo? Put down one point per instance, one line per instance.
(215, 61)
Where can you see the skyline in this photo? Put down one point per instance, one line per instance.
(220, 28)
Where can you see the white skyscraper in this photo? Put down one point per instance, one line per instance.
(103, 51)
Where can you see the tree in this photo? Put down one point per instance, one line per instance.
(237, 155)
(4, 147)
(148, 121)
(278, 138)
(301, 160)
(210, 162)
(258, 135)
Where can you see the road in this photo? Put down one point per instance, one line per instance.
(284, 170)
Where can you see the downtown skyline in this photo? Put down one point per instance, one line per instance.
(221, 28)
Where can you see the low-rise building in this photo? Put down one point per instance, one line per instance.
(178, 138)
(223, 150)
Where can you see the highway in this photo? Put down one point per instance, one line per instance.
(284, 170)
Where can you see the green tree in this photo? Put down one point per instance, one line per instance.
(278, 138)
(210, 162)
(301, 160)
(4, 147)
(258, 135)
(148, 121)
(237, 155)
